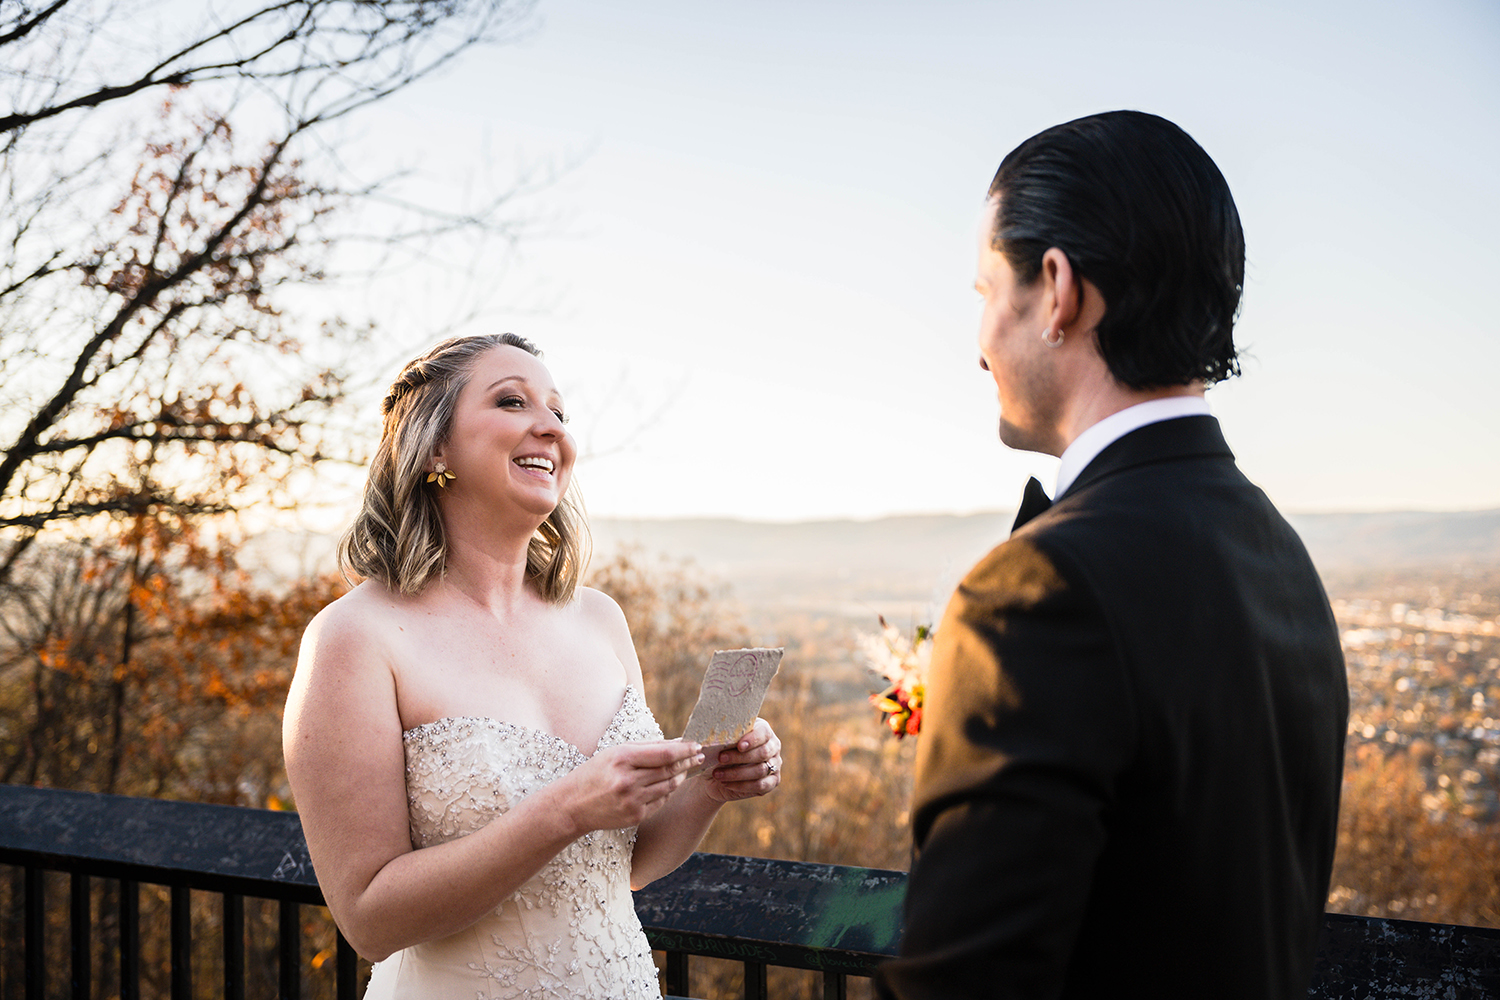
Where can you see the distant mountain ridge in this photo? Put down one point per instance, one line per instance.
(852, 567)
(919, 558)
(1400, 539)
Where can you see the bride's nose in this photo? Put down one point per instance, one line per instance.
(549, 426)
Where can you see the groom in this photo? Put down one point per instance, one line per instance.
(1129, 769)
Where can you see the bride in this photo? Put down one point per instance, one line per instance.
(480, 781)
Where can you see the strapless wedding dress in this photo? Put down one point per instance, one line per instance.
(571, 932)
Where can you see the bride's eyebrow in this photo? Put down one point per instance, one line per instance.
(508, 378)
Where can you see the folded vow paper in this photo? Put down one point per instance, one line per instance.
(728, 702)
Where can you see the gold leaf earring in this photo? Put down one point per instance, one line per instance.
(440, 475)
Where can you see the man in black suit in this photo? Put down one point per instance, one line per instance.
(1131, 753)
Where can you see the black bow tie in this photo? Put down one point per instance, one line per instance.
(1033, 502)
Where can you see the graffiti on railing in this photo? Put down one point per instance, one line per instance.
(290, 867)
(741, 950)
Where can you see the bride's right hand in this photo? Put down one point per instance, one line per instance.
(621, 785)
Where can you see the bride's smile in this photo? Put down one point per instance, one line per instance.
(535, 462)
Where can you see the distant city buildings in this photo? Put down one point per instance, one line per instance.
(1424, 678)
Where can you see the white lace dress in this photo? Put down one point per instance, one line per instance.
(569, 933)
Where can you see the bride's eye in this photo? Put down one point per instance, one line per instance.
(510, 401)
(562, 417)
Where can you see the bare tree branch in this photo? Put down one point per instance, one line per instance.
(24, 21)
(129, 505)
(345, 45)
(149, 359)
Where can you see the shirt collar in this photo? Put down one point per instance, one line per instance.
(1087, 446)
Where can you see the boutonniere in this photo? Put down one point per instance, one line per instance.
(901, 661)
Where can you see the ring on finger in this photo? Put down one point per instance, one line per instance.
(770, 767)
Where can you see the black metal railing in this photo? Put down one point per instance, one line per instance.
(184, 846)
(836, 920)
(761, 913)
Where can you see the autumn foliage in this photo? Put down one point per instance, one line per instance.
(1399, 858)
(145, 661)
(154, 669)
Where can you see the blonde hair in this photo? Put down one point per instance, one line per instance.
(397, 537)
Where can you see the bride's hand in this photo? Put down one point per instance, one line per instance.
(749, 768)
(622, 785)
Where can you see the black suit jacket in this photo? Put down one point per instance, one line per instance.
(1131, 751)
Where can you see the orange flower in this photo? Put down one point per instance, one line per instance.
(902, 662)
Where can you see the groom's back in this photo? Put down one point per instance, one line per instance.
(1220, 837)
(1130, 758)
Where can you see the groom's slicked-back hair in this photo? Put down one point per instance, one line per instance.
(1143, 213)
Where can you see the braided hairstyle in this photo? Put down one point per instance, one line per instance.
(397, 536)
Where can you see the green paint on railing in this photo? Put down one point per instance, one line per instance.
(873, 911)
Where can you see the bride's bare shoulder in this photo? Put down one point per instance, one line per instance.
(345, 670)
(599, 610)
(606, 619)
(360, 622)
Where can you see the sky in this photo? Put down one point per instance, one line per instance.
(753, 271)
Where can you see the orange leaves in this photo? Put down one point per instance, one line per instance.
(206, 223)
(1397, 857)
(54, 654)
(160, 667)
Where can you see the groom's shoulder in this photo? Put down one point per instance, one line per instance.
(1128, 520)
(1018, 574)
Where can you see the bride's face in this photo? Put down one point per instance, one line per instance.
(507, 445)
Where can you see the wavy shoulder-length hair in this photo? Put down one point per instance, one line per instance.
(397, 537)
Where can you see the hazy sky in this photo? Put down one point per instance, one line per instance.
(756, 285)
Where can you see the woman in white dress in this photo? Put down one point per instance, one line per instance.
(479, 778)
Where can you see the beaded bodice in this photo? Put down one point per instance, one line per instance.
(571, 931)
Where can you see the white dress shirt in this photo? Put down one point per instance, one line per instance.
(1115, 426)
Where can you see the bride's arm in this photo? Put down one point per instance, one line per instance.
(346, 765)
(667, 837)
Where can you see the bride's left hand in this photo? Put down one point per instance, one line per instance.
(749, 768)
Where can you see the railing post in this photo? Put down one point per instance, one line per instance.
(677, 973)
(182, 943)
(36, 930)
(289, 950)
(82, 952)
(130, 939)
(835, 985)
(346, 970)
(755, 981)
(234, 946)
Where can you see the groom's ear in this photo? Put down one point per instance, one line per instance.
(1062, 295)
(1069, 301)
